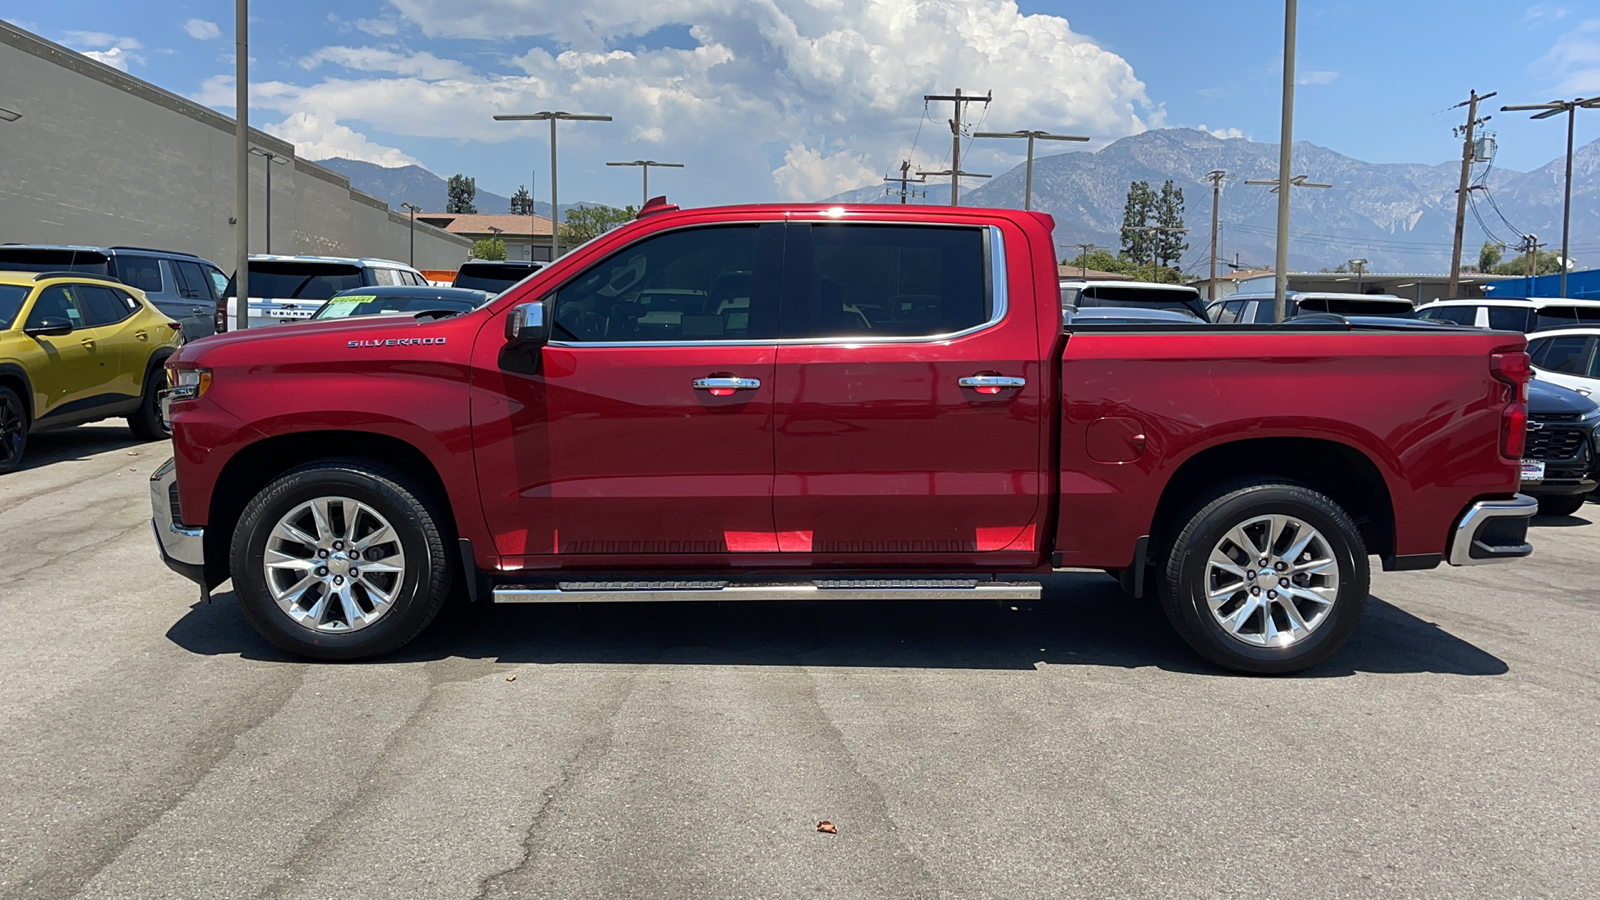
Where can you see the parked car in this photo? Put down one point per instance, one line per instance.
(290, 288)
(1131, 315)
(1569, 357)
(78, 348)
(1256, 308)
(1079, 294)
(1525, 314)
(408, 300)
(867, 403)
(1558, 464)
(494, 276)
(183, 286)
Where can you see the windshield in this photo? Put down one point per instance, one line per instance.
(1354, 307)
(53, 259)
(492, 278)
(368, 305)
(11, 299)
(299, 280)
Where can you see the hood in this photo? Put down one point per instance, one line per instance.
(354, 327)
(1545, 398)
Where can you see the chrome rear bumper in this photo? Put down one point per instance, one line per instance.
(182, 547)
(1493, 531)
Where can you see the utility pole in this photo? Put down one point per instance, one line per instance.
(1546, 110)
(1083, 257)
(905, 179)
(1280, 300)
(921, 173)
(1467, 152)
(1027, 192)
(241, 147)
(1214, 176)
(955, 135)
(1280, 281)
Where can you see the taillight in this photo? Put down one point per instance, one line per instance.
(1513, 370)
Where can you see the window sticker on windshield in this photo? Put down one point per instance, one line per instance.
(344, 306)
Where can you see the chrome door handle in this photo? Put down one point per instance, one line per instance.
(723, 385)
(992, 381)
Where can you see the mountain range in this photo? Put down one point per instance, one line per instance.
(1398, 216)
(420, 187)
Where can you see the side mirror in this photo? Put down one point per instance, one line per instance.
(49, 326)
(526, 326)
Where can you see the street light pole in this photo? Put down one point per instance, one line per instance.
(555, 203)
(645, 164)
(241, 146)
(411, 259)
(1546, 110)
(1027, 191)
(1360, 265)
(1280, 186)
(1280, 286)
(272, 159)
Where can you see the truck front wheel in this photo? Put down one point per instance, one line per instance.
(1267, 578)
(340, 560)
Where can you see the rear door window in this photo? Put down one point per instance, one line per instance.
(102, 305)
(142, 272)
(885, 281)
(1460, 315)
(193, 283)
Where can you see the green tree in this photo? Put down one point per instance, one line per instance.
(460, 190)
(521, 202)
(489, 248)
(1101, 260)
(1547, 263)
(1489, 256)
(1170, 244)
(1136, 242)
(585, 222)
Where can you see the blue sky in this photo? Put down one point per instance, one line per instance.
(804, 98)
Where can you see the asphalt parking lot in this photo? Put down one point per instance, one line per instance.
(155, 747)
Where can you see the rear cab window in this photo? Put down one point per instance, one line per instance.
(863, 280)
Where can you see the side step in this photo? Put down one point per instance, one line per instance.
(820, 589)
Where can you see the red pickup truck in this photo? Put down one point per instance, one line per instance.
(805, 402)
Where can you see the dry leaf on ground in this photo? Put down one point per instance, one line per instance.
(827, 827)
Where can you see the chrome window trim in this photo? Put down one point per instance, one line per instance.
(994, 251)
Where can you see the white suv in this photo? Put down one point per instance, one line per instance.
(1522, 314)
(291, 288)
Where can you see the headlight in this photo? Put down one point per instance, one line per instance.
(187, 384)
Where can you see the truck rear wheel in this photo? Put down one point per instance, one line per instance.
(1267, 578)
(340, 560)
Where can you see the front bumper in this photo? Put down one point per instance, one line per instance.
(182, 547)
(1493, 531)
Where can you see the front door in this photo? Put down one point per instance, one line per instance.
(71, 377)
(909, 402)
(646, 427)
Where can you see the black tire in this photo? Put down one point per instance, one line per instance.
(13, 430)
(423, 586)
(1186, 577)
(1561, 505)
(146, 423)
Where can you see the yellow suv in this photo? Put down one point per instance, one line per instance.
(77, 348)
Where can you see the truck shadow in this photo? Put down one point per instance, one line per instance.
(1083, 620)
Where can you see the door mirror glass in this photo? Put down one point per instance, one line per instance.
(527, 326)
(48, 327)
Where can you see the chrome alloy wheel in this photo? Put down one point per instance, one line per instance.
(1271, 581)
(334, 564)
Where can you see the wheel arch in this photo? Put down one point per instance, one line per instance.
(15, 377)
(253, 467)
(1345, 474)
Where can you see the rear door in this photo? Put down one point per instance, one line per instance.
(909, 412)
(125, 342)
(639, 433)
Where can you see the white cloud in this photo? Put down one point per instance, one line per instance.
(316, 138)
(801, 97)
(380, 27)
(1540, 13)
(1573, 63)
(202, 30)
(114, 51)
(1226, 134)
(1317, 76)
(371, 59)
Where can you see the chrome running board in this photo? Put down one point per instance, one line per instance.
(820, 589)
